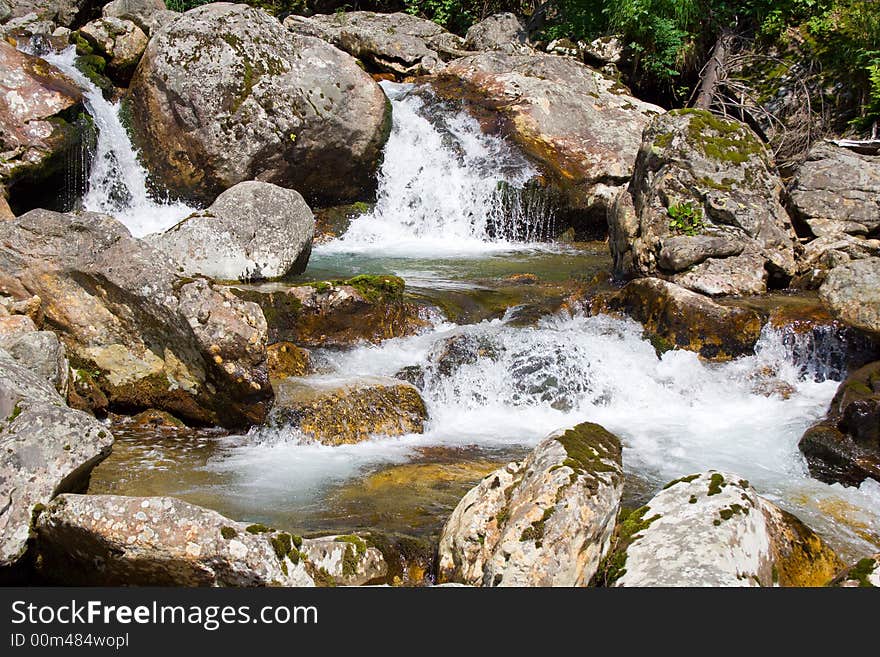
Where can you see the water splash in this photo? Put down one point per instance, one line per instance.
(496, 385)
(446, 188)
(118, 183)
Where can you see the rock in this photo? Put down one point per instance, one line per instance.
(837, 191)
(845, 446)
(604, 50)
(852, 293)
(340, 411)
(346, 559)
(120, 41)
(545, 521)
(676, 317)
(48, 449)
(337, 313)
(39, 110)
(285, 359)
(5, 10)
(147, 337)
(586, 146)
(85, 395)
(6, 212)
(29, 30)
(397, 43)
(225, 94)
(62, 12)
(253, 231)
(703, 209)
(823, 254)
(149, 15)
(864, 574)
(112, 540)
(30, 307)
(713, 529)
(502, 32)
(157, 420)
(16, 325)
(42, 353)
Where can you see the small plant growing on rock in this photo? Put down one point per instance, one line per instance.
(685, 218)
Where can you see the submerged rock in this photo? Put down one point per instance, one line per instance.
(120, 42)
(837, 191)
(582, 129)
(342, 411)
(224, 93)
(39, 110)
(713, 529)
(674, 316)
(845, 446)
(147, 337)
(337, 313)
(703, 209)
(504, 32)
(48, 449)
(863, 574)
(852, 293)
(254, 230)
(397, 43)
(286, 360)
(112, 540)
(545, 521)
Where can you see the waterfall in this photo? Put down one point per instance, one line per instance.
(118, 183)
(446, 187)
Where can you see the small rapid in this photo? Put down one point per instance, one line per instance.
(118, 184)
(446, 188)
(512, 386)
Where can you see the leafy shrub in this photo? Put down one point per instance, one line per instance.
(685, 218)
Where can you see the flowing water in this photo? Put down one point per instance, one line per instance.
(118, 184)
(454, 218)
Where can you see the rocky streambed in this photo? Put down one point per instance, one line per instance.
(269, 321)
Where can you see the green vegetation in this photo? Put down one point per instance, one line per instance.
(228, 532)
(685, 218)
(862, 571)
(359, 544)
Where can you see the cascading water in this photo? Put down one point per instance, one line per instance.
(675, 414)
(446, 188)
(117, 184)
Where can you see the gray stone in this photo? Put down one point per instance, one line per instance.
(254, 230)
(149, 15)
(502, 32)
(62, 12)
(837, 191)
(48, 449)
(346, 558)
(852, 293)
(112, 540)
(703, 209)
(224, 93)
(713, 529)
(120, 41)
(42, 353)
(546, 521)
(396, 43)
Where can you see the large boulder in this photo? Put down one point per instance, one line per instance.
(396, 43)
(823, 254)
(852, 293)
(337, 313)
(504, 32)
(703, 209)
(42, 353)
(545, 521)
(254, 230)
(674, 316)
(581, 128)
(111, 540)
(39, 124)
(149, 15)
(121, 42)
(837, 191)
(224, 93)
(845, 446)
(343, 559)
(48, 449)
(336, 411)
(713, 529)
(150, 338)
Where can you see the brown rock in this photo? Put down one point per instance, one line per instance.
(286, 359)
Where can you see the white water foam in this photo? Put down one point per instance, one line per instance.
(118, 183)
(445, 189)
(675, 414)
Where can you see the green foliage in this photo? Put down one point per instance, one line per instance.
(685, 218)
(274, 7)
